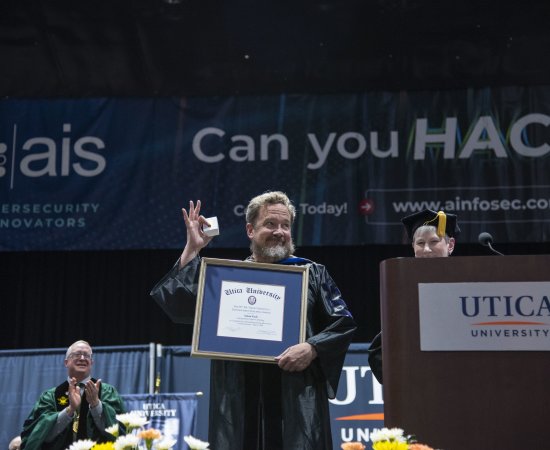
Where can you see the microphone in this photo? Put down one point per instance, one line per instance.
(486, 239)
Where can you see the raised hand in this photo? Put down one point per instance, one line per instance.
(196, 239)
(74, 396)
(92, 392)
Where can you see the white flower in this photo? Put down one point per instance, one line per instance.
(166, 444)
(129, 441)
(194, 443)
(113, 429)
(131, 420)
(83, 444)
(388, 434)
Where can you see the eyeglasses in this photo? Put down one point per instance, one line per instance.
(79, 355)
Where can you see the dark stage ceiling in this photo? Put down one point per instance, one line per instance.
(68, 48)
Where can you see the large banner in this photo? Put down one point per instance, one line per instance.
(358, 409)
(89, 174)
(175, 415)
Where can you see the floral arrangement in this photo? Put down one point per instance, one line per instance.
(194, 443)
(389, 439)
(395, 439)
(352, 446)
(131, 421)
(137, 437)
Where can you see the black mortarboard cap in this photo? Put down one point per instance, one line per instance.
(445, 223)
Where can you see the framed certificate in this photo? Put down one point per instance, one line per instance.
(249, 311)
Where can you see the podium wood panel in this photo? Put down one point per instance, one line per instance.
(461, 400)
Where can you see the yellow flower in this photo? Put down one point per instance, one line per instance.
(104, 446)
(386, 445)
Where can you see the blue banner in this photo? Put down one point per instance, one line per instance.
(358, 409)
(87, 174)
(174, 415)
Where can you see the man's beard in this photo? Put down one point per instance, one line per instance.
(272, 253)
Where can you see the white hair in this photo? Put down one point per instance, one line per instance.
(74, 344)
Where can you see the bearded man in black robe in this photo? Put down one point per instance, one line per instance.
(259, 405)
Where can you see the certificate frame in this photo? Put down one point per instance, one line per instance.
(268, 326)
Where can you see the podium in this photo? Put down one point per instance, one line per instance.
(461, 400)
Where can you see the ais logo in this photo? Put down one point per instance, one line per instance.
(42, 156)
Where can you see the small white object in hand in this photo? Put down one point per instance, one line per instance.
(213, 229)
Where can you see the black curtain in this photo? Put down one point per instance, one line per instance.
(179, 48)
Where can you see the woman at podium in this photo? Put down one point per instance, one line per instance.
(433, 235)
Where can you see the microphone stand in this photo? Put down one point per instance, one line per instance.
(493, 250)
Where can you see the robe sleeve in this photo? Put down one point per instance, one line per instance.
(330, 325)
(176, 292)
(112, 404)
(375, 357)
(40, 421)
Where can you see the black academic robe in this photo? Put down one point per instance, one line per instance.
(259, 406)
(375, 357)
(43, 417)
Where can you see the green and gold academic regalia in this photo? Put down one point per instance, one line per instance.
(43, 417)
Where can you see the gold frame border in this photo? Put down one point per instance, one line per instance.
(205, 262)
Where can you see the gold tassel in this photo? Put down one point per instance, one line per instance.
(157, 383)
(75, 422)
(441, 223)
